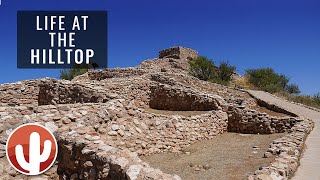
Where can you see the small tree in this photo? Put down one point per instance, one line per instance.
(202, 68)
(225, 71)
(69, 74)
(293, 89)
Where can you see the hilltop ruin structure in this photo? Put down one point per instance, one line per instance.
(102, 122)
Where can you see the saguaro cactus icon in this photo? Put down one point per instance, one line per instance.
(35, 158)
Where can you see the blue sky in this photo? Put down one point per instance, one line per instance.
(284, 35)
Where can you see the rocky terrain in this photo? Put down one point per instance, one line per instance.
(105, 120)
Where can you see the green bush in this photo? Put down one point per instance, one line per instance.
(202, 68)
(69, 74)
(293, 89)
(267, 79)
(225, 71)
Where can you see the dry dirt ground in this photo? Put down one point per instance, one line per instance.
(230, 156)
(269, 112)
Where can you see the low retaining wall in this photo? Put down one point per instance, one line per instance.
(20, 93)
(89, 134)
(123, 125)
(275, 108)
(287, 150)
(84, 159)
(65, 92)
(253, 122)
(272, 107)
(165, 97)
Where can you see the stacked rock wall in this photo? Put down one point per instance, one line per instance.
(250, 121)
(122, 124)
(157, 133)
(165, 97)
(287, 151)
(103, 127)
(229, 94)
(20, 93)
(178, 52)
(84, 159)
(64, 92)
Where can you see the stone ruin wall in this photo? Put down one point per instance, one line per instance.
(52, 91)
(251, 121)
(20, 93)
(169, 65)
(83, 150)
(173, 98)
(83, 159)
(94, 134)
(151, 134)
(229, 95)
(241, 119)
(168, 62)
(274, 108)
(134, 89)
(126, 126)
(178, 52)
(113, 163)
(287, 152)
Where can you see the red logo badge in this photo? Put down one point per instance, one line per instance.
(31, 149)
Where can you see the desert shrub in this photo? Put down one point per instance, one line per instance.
(225, 71)
(313, 101)
(293, 89)
(69, 74)
(205, 69)
(267, 79)
(316, 98)
(202, 68)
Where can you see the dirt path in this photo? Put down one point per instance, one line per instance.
(230, 156)
(310, 161)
